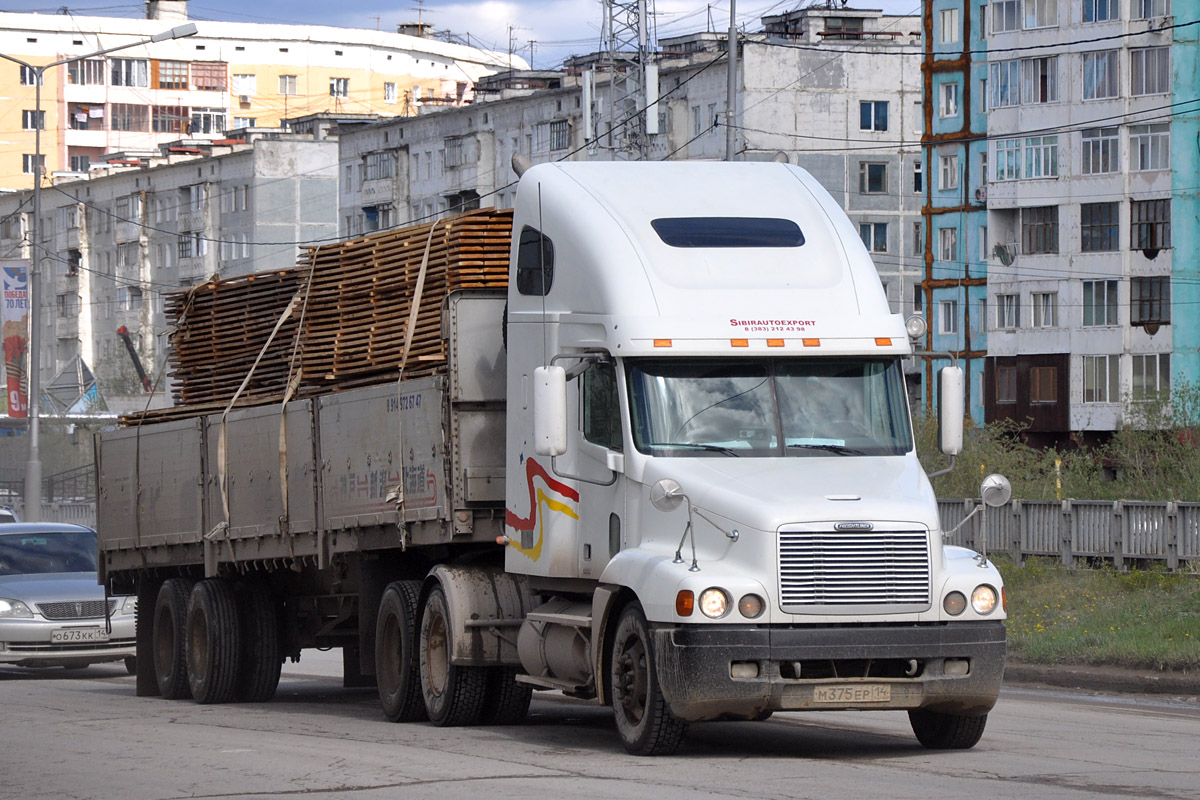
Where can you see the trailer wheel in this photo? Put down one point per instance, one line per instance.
(213, 642)
(454, 694)
(646, 725)
(506, 702)
(170, 636)
(397, 656)
(939, 731)
(262, 654)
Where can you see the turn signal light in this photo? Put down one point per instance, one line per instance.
(685, 603)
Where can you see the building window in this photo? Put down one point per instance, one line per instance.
(949, 21)
(1100, 147)
(918, 298)
(169, 119)
(560, 135)
(377, 166)
(1006, 384)
(1144, 9)
(918, 244)
(1006, 15)
(29, 75)
(130, 72)
(128, 117)
(948, 244)
(872, 178)
(80, 163)
(1099, 10)
(457, 151)
(1100, 75)
(1100, 375)
(209, 76)
(389, 92)
(1150, 222)
(1150, 147)
(1151, 376)
(1008, 311)
(33, 120)
(873, 115)
(948, 172)
(843, 28)
(1008, 159)
(1043, 385)
(245, 84)
(1045, 309)
(1004, 83)
(918, 177)
(172, 74)
(89, 72)
(1150, 301)
(949, 102)
(1099, 303)
(339, 87)
(874, 236)
(245, 122)
(948, 316)
(1039, 80)
(1041, 13)
(1150, 70)
(185, 246)
(207, 120)
(983, 242)
(1098, 227)
(1039, 229)
(1041, 157)
(287, 85)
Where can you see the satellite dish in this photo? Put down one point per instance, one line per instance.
(1001, 252)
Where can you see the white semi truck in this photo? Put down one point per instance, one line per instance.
(672, 471)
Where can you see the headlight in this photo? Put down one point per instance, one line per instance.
(983, 599)
(714, 603)
(14, 608)
(129, 605)
(955, 603)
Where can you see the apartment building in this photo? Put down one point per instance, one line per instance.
(229, 75)
(835, 91)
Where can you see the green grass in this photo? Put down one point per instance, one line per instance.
(1143, 619)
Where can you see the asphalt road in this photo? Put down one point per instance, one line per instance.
(85, 735)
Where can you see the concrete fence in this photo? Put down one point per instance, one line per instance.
(1116, 531)
(81, 513)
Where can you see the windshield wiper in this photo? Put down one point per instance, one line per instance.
(712, 448)
(840, 449)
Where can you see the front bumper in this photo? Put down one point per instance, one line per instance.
(26, 642)
(828, 668)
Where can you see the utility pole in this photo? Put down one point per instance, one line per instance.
(629, 56)
(731, 47)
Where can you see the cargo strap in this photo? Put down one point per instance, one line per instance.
(292, 385)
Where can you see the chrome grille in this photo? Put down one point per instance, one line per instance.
(830, 568)
(83, 609)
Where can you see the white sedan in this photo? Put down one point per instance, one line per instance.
(53, 613)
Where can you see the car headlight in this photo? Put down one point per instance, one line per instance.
(983, 599)
(129, 605)
(714, 603)
(14, 608)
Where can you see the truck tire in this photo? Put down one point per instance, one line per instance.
(213, 642)
(939, 731)
(262, 654)
(453, 694)
(646, 725)
(397, 655)
(170, 636)
(505, 702)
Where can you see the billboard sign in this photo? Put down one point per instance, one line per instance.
(14, 318)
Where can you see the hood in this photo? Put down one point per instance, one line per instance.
(52, 587)
(765, 493)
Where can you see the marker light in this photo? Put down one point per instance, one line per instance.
(883, 341)
(811, 342)
(955, 603)
(751, 606)
(739, 342)
(774, 342)
(662, 342)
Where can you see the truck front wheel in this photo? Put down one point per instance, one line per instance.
(646, 725)
(454, 694)
(397, 662)
(939, 731)
(213, 642)
(169, 631)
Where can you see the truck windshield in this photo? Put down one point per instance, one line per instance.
(805, 407)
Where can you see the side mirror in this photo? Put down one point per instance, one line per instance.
(995, 490)
(549, 411)
(950, 410)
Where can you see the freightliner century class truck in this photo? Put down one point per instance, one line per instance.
(672, 471)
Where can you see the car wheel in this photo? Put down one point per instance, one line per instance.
(397, 656)
(647, 727)
(213, 642)
(170, 625)
(131, 665)
(262, 653)
(454, 694)
(939, 731)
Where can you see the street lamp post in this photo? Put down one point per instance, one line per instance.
(33, 466)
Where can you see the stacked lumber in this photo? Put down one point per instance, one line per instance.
(348, 326)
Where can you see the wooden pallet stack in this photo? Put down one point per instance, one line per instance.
(355, 311)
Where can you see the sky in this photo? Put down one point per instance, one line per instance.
(557, 28)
